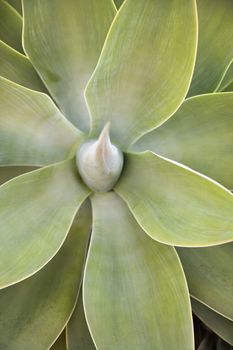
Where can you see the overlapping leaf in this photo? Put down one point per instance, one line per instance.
(135, 296)
(173, 204)
(36, 212)
(199, 135)
(66, 56)
(144, 69)
(34, 312)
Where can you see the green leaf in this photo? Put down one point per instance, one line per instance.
(135, 294)
(10, 26)
(174, 204)
(32, 129)
(17, 4)
(227, 79)
(66, 56)
(215, 44)
(78, 335)
(144, 69)
(229, 88)
(220, 325)
(36, 211)
(209, 275)
(198, 135)
(60, 344)
(34, 312)
(17, 67)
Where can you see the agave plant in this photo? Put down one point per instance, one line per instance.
(116, 129)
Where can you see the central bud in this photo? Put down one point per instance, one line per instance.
(100, 162)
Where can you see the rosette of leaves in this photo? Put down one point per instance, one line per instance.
(93, 255)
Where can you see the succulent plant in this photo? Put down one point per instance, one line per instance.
(116, 130)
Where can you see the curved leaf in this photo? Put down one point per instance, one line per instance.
(135, 295)
(209, 275)
(17, 4)
(32, 129)
(36, 211)
(66, 56)
(34, 312)
(144, 69)
(10, 26)
(229, 88)
(78, 335)
(227, 79)
(17, 67)
(60, 343)
(217, 323)
(198, 135)
(174, 204)
(8, 173)
(215, 44)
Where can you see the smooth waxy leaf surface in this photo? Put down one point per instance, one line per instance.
(17, 67)
(17, 4)
(135, 295)
(32, 129)
(78, 335)
(227, 79)
(60, 343)
(36, 211)
(10, 26)
(215, 44)
(173, 204)
(66, 56)
(34, 312)
(144, 69)
(199, 135)
(219, 324)
(209, 275)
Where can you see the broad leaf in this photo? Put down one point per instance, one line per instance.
(66, 56)
(174, 204)
(215, 44)
(144, 69)
(229, 87)
(34, 312)
(227, 79)
(10, 26)
(36, 212)
(32, 129)
(199, 135)
(217, 323)
(17, 4)
(17, 67)
(8, 173)
(78, 335)
(135, 295)
(60, 343)
(209, 275)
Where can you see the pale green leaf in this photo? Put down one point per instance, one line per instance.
(135, 295)
(144, 69)
(209, 275)
(199, 135)
(78, 335)
(34, 312)
(215, 44)
(10, 26)
(63, 40)
(174, 204)
(220, 325)
(32, 129)
(17, 67)
(227, 79)
(60, 343)
(17, 4)
(36, 212)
